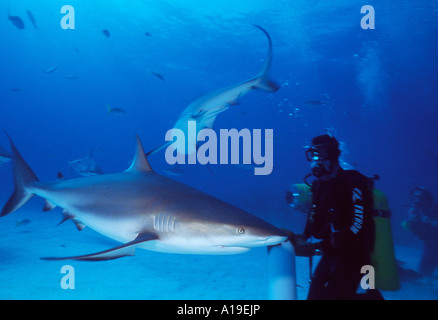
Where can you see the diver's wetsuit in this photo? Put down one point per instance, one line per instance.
(341, 216)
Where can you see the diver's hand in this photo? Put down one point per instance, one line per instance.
(290, 235)
(307, 249)
(302, 247)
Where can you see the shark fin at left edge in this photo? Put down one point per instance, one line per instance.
(24, 177)
(124, 250)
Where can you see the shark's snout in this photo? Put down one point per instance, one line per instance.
(274, 240)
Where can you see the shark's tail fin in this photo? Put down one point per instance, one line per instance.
(23, 178)
(265, 82)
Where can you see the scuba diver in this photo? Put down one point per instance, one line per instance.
(341, 216)
(422, 221)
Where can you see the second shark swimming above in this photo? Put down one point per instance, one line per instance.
(206, 108)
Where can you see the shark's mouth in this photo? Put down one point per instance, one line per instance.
(262, 242)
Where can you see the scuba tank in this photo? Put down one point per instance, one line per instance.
(383, 257)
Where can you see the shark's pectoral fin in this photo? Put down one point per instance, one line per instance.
(124, 250)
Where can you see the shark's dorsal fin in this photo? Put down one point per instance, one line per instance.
(139, 163)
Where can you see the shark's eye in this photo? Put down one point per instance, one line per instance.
(240, 230)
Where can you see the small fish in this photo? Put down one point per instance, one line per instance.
(114, 110)
(157, 75)
(147, 34)
(70, 76)
(50, 70)
(15, 90)
(32, 19)
(314, 103)
(106, 33)
(16, 21)
(23, 222)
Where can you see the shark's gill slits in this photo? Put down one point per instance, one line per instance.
(163, 222)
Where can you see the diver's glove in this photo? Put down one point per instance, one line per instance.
(304, 248)
(290, 235)
(307, 249)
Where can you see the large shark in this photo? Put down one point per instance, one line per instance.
(206, 108)
(141, 208)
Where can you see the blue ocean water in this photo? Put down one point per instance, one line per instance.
(374, 89)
